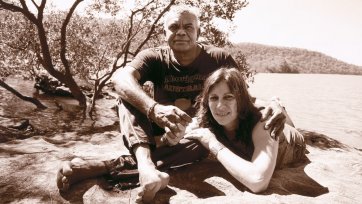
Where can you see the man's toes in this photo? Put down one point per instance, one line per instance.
(67, 168)
(65, 182)
(62, 179)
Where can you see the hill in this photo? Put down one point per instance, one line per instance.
(263, 58)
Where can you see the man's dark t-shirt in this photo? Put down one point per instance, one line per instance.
(175, 84)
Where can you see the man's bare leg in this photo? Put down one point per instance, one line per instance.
(78, 169)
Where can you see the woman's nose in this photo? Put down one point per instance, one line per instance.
(220, 104)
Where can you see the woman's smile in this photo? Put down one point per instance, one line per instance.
(223, 107)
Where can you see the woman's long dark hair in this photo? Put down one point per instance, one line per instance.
(248, 114)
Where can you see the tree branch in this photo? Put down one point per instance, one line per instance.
(35, 4)
(14, 8)
(41, 10)
(172, 2)
(22, 97)
(63, 37)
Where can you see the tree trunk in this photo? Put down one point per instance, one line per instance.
(76, 91)
(22, 97)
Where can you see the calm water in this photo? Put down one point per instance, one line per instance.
(327, 104)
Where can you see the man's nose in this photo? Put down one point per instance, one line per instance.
(181, 31)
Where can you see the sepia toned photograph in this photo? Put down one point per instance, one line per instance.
(180, 101)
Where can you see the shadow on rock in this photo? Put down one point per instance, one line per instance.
(194, 179)
(294, 180)
(321, 141)
(210, 179)
(76, 192)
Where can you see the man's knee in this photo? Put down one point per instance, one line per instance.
(134, 125)
(292, 136)
(292, 147)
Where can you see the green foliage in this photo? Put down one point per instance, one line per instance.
(18, 46)
(262, 58)
(283, 68)
(93, 43)
(240, 59)
(67, 45)
(211, 9)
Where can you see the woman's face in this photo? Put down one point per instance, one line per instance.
(223, 106)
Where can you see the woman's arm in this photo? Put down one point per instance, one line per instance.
(255, 174)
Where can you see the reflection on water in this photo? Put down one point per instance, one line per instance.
(62, 115)
(328, 104)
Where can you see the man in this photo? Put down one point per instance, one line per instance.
(177, 72)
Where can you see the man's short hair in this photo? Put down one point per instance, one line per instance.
(181, 9)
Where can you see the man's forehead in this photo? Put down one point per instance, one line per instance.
(184, 18)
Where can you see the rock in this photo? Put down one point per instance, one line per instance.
(19, 124)
(15, 129)
(331, 174)
(51, 86)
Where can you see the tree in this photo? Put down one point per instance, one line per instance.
(21, 96)
(240, 59)
(144, 26)
(14, 55)
(212, 9)
(284, 67)
(66, 44)
(43, 54)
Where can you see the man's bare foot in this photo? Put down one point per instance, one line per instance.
(78, 169)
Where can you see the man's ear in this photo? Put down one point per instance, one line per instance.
(198, 32)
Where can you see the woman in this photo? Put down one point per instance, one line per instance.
(231, 130)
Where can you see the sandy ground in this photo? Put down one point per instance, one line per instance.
(332, 173)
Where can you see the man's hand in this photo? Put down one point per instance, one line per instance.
(151, 181)
(173, 120)
(172, 139)
(275, 116)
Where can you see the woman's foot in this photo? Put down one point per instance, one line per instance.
(78, 169)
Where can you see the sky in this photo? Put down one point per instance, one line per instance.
(333, 27)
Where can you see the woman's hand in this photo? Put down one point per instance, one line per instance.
(203, 135)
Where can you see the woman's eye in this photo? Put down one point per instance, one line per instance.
(213, 98)
(229, 97)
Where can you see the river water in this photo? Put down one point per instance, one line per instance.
(62, 115)
(327, 104)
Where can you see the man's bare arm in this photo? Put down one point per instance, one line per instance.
(170, 117)
(126, 83)
(274, 114)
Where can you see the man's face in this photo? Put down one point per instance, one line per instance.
(181, 32)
